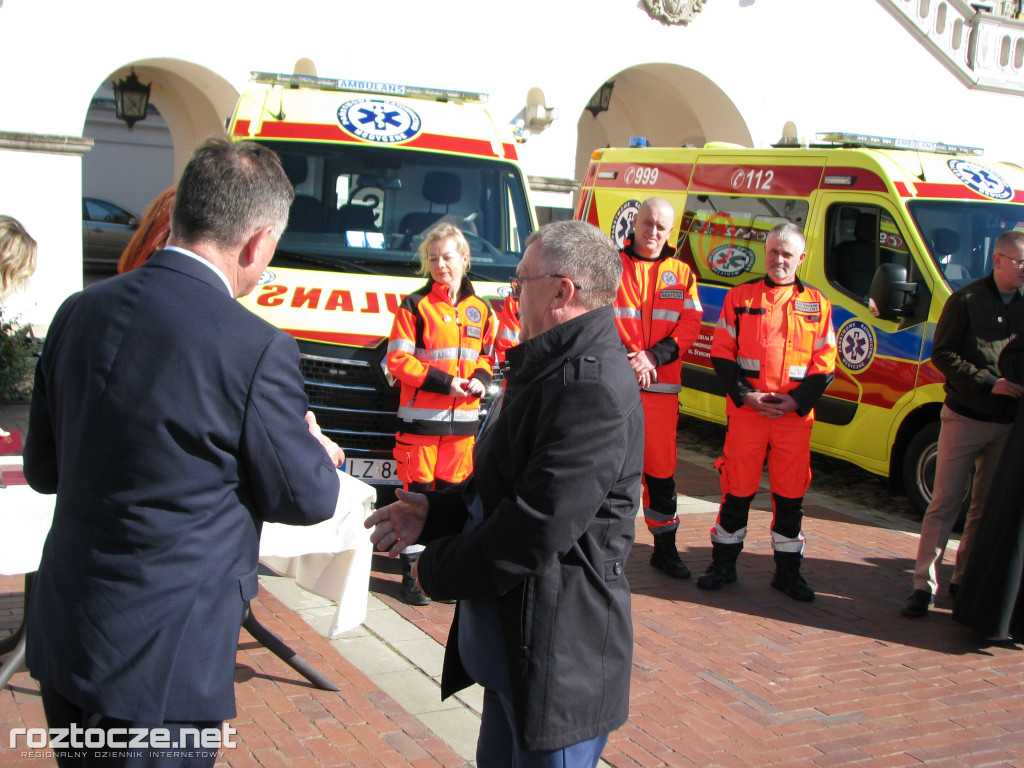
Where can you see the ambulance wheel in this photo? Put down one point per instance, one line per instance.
(919, 472)
(919, 467)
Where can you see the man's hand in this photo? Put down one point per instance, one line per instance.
(644, 367)
(466, 388)
(399, 524)
(334, 451)
(1007, 387)
(770, 404)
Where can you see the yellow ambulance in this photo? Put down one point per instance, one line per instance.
(893, 227)
(375, 166)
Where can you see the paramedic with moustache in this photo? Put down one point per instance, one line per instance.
(441, 350)
(775, 351)
(658, 315)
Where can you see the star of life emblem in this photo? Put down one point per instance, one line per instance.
(379, 120)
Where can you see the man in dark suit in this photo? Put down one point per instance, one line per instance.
(170, 422)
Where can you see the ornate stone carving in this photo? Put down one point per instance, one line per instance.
(673, 11)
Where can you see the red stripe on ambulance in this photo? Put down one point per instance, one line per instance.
(768, 181)
(663, 176)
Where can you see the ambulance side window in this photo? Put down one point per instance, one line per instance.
(722, 237)
(858, 238)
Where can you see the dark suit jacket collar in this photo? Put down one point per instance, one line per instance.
(179, 262)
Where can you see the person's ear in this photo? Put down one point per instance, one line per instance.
(564, 294)
(253, 249)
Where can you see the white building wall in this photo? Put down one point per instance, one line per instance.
(823, 64)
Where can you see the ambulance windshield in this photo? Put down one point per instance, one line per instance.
(366, 209)
(960, 235)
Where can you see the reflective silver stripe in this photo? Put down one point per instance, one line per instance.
(408, 413)
(509, 335)
(797, 372)
(629, 312)
(447, 353)
(729, 328)
(785, 544)
(672, 389)
(827, 341)
(659, 517)
(748, 363)
(403, 345)
(665, 314)
(721, 536)
(488, 351)
(693, 304)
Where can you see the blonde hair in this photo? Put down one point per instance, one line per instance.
(17, 256)
(443, 231)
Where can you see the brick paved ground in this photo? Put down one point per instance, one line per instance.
(741, 677)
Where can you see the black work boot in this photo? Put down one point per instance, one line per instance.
(666, 558)
(722, 570)
(411, 592)
(788, 579)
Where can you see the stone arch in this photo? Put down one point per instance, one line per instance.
(193, 100)
(669, 104)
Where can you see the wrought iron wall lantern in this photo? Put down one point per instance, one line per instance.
(601, 99)
(131, 98)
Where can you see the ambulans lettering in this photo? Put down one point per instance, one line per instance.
(856, 345)
(366, 85)
(314, 298)
(378, 120)
(730, 260)
(622, 223)
(982, 180)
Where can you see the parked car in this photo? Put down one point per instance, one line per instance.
(106, 230)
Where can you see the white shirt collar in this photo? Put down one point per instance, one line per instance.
(201, 260)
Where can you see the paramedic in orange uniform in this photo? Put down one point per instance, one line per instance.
(442, 351)
(508, 327)
(775, 352)
(658, 316)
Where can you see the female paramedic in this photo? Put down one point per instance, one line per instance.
(442, 351)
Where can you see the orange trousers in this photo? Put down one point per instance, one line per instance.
(661, 418)
(749, 439)
(426, 458)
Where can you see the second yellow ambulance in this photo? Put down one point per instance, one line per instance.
(893, 227)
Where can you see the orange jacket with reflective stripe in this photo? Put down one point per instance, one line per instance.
(433, 342)
(772, 338)
(657, 309)
(508, 327)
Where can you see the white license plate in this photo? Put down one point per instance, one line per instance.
(379, 471)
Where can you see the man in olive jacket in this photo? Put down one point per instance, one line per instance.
(534, 545)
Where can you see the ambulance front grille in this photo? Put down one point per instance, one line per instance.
(352, 404)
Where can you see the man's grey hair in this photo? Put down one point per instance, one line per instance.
(229, 191)
(585, 255)
(787, 230)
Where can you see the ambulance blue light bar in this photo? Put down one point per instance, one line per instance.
(884, 142)
(367, 86)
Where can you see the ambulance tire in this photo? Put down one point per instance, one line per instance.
(919, 472)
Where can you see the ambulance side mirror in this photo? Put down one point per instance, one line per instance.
(891, 296)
